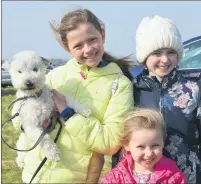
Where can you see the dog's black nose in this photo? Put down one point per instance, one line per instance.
(29, 84)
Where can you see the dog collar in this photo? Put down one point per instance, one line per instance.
(36, 95)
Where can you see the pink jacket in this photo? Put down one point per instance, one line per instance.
(166, 172)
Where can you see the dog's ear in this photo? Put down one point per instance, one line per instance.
(46, 61)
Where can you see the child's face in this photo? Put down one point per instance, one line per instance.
(161, 62)
(86, 44)
(146, 147)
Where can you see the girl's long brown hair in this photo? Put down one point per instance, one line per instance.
(72, 20)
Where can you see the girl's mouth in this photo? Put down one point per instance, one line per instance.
(91, 56)
(164, 67)
(148, 161)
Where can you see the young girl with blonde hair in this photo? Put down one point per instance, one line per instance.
(143, 162)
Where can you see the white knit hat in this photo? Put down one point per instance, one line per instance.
(156, 33)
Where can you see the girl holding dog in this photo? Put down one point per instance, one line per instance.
(89, 78)
(160, 85)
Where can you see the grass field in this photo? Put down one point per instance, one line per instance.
(10, 172)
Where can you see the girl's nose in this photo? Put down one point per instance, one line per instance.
(87, 49)
(148, 152)
(164, 58)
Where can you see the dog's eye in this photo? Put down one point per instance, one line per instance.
(19, 71)
(35, 69)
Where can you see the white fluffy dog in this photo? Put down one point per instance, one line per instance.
(28, 70)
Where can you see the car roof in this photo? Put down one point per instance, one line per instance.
(192, 40)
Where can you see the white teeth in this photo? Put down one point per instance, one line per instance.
(163, 66)
(89, 57)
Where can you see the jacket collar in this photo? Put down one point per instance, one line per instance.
(161, 167)
(100, 65)
(104, 68)
(144, 81)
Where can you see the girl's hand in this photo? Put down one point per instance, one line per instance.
(59, 100)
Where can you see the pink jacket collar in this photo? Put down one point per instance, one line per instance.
(162, 167)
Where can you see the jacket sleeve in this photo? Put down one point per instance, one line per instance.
(102, 136)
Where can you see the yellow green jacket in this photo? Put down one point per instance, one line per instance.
(84, 141)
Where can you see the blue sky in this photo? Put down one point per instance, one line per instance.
(25, 23)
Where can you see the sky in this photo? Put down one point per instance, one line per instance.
(25, 24)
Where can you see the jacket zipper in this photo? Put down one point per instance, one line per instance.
(160, 93)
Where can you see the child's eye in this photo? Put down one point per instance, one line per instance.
(156, 53)
(92, 39)
(77, 47)
(171, 52)
(140, 146)
(155, 145)
(35, 69)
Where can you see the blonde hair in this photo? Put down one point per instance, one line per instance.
(142, 118)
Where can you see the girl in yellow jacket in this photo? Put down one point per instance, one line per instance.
(88, 78)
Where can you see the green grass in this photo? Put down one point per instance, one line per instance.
(10, 172)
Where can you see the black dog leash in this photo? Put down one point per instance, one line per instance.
(47, 129)
(45, 159)
(37, 142)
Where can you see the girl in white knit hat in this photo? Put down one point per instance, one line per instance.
(159, 85)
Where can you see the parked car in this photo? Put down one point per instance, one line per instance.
(5, 78)
(190, 64)
(192, 54)
(5, 75)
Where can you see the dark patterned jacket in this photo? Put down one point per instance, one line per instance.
(178, 97)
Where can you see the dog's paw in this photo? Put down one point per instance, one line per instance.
(51, 151)
(20, 162)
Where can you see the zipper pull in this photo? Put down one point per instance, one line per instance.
(82, 75)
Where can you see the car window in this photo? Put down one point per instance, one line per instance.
(192, 55)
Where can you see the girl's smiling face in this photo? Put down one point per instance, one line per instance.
(146, 147)
(161, 62)
(86, 44)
